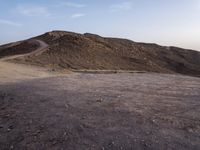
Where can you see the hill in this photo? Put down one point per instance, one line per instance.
(68, 50)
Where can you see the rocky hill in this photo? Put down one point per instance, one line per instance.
(67, 50)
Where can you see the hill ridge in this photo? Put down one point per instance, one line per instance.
(69, 50)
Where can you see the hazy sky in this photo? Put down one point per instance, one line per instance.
(166, 22)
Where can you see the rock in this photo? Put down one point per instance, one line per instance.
(100, 100)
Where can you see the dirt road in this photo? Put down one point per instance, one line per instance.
(101, 112)
(41, 48)
(13, 72)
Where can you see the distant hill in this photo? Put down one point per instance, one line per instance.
(67, 50)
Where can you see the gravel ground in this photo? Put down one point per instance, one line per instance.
(101, 112)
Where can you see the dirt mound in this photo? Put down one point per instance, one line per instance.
(92, 52)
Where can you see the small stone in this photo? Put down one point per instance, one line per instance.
(11, 98)
(100, 100)
(190, 130)
(65, 133)
(111, 143)
(83, 117)
(8, 115)
(11, 147)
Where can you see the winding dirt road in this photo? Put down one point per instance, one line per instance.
(14, 72)
(41, 48)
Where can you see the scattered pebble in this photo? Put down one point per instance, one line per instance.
(100, 100)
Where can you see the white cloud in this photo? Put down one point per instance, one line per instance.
(124, 6)
(10, 23)
(78, 15)
(70, 4)
(33, 10)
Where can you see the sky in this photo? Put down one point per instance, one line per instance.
(165, 22)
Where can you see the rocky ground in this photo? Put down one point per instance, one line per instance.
(82, 111)
(109, 100)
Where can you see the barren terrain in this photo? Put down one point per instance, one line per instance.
(81, 111)
(11, 72)
(108, 102)
(74, 51)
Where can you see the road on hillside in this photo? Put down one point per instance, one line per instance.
(41, 48)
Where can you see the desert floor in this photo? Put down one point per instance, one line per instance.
(41, 109)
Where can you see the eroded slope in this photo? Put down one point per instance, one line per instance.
(91, 52)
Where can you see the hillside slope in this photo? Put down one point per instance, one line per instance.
(67, 50)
